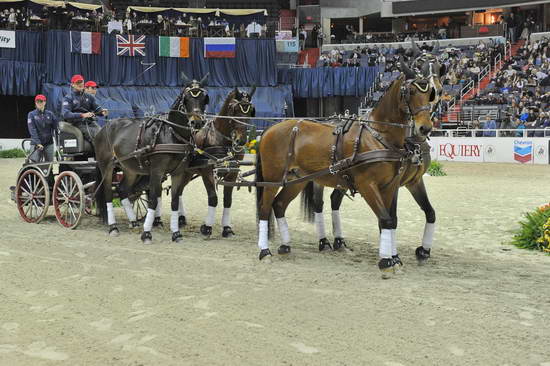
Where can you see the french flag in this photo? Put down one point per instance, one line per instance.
(86, 42)
(218, 47)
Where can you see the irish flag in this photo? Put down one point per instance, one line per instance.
(174, 46)
(219, 47)
(86, 42)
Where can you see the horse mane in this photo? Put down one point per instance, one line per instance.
(386, 106)
(230, 97)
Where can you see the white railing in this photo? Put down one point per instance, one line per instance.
(466, 89)
(482, 74)
(443, 42)
(479, 132)
(498, 62)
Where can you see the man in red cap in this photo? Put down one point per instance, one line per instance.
(90, 87)
(80, 108)
(42, 126)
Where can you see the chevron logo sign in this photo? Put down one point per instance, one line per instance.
(523, 151)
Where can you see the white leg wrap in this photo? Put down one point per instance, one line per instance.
(211, 217)
(263, 242)
(181, 207)
(129, 209)
(226, 217)
(428, 238)
(320, 225)
(110, 214)
(148, 224)
(174, 225)
(158, 210)
(337, 224)
(393, 242)
(283, 230)
(385, 243)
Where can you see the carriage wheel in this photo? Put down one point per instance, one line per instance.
(140, 204)
(68, 199)
(32, 195)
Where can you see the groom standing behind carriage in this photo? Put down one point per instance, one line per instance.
(79, 109)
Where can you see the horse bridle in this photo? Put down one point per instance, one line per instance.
(245, 107)
(195, 91)
(411, 113)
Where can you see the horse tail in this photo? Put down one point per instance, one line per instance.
(308, 202)
(100, 204)
(259, 194)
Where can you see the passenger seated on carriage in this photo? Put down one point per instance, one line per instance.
(42, 126)
(79, 108)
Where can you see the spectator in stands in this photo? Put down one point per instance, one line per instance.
(42, 126)
(511, 26)
(12, 19)
(490, 124)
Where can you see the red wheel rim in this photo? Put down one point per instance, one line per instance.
(32, 196)
(68, 199)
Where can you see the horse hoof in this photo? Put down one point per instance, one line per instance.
(386, 266)
(284, 249)
(206, 230)
(227, 232)
(113, 230)
(177, 237)
(422, 255)
(134, 225)
(324, 244)
(182, 221)
(265, 253)
(339, 244)
(146, 237)
(158, 222)
(397, 263)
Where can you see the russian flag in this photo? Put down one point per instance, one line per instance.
(86, 42)
(219, 47)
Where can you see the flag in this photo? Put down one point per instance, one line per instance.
(86, 42)
(131, 46)
(174, 46)
(219, 47)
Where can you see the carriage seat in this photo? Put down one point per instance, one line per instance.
(72, 141)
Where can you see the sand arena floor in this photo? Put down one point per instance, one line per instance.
(82, 298)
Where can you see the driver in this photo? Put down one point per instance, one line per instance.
(80, 108)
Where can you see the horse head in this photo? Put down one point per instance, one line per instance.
(192, 101)
(419, 95)
(239, 104)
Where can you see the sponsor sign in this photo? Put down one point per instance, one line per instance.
(7, 39)
(523, 151)
(491, 149)
(458, 151)
(287, 45)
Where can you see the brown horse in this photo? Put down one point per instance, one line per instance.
(298, 148)
(220, 137)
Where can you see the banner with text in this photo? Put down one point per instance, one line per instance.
(287, 45)
(491, 150)
(7, 39)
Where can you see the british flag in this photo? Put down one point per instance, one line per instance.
(130, 46)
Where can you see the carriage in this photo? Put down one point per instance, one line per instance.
(68, 183)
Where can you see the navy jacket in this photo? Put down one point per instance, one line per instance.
(76, 103)
(41, 126)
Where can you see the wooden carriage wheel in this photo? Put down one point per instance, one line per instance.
(140, 203)
(68, 199)
(32, 195)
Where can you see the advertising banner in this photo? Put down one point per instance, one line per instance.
(491, 150)
(7, 39)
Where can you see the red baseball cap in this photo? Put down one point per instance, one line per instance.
(90, 84)
(76, 78)
(40, 97)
